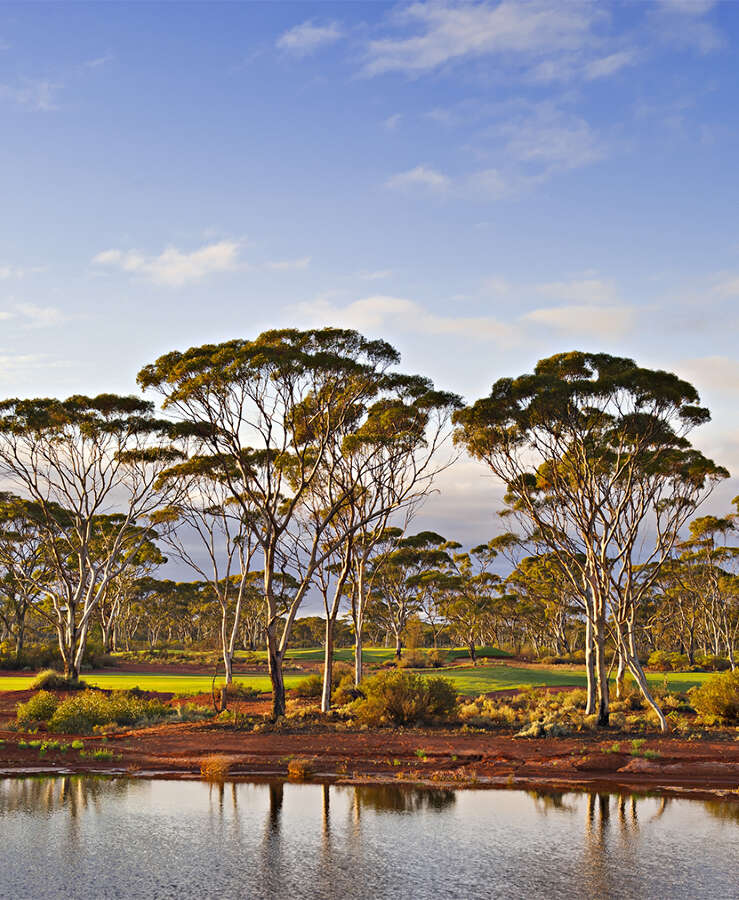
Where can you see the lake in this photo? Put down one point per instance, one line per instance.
(89, 837)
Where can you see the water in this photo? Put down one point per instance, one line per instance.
(84, 837)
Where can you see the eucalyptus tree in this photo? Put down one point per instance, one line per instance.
(271, 413)
(595, 455)
(214, 536)
(89, 456)
(553, 601)
(23, 564)
(140, 558)
(396, 573)
(472, 593)
(397, 455)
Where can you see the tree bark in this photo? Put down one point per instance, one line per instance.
(328, 665)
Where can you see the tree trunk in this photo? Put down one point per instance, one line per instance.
(638, 673)
(358, 661)
(398, 646)
(620, 674)
(328, 665)
(601, 670)
(275, 673)
(590, 665)
(473, 653)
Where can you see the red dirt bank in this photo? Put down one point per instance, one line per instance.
(446, 758)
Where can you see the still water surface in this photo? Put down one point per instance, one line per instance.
(81, 837)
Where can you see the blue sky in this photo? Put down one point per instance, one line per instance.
(483, 184)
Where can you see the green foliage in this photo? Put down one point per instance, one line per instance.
(402, 698)
(310, 687)
(718, 697)
(80, 714)
(51, 680)
(38, 709)
(668, 662)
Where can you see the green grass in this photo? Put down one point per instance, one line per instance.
(176, 684)
(483, 679)
(467, 680)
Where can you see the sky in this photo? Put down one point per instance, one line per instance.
(482, 184)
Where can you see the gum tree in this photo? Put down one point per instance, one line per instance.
(271, 413)
(595, 455)
(90, 457)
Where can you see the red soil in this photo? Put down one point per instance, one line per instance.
(435, 756)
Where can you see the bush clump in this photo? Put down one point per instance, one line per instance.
(401, 698)
(51, 680)
(90, 709)
(309, 688)
(39, 708)
(718, 697)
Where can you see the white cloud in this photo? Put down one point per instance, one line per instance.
(307, 38)
(40, 316)
(449, 32)
(174, 267)
(712, 373)
(382, 313)
(609, 65)
(593, 321)
(551, 138)
(728, 287)
(34, 94)
(683, 23)
(376, 275)
(34, 316)
(580, 291)
(99, 61)
(302, 263)
(392, 122)
(422, 176)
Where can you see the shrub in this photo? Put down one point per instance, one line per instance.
(310, 687)
(237, 690)
(38, 709)
(400, 697)
(215, 767)
(718, 697)
(713, 663)
(544, 729)
(414, 659)
(80, 714)
(51, 680)
(345, 691)
(300, 769)
(663, 661)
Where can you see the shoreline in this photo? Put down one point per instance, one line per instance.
(672, 766)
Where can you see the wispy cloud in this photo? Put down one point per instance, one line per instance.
(33, 94)
(392, 122)
(33, 316)
(605, 66)
(380, 313)
(283, 264)
(581, 319)
(684, 23)
(376, 275)
(420, 176)
(448, 32)
(719, 374)
(174, 267)
(98, 61)
(308, 37)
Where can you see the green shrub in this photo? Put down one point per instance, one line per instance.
(51, 680)
(38, 709)
(345, 692)
(310, 687)
(401, 698)
(712, 663)
(718, 697)
(81, 714)
(237, 690)
(663, 661)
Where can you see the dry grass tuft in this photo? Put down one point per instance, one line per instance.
(300, 769)
(216, 767)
